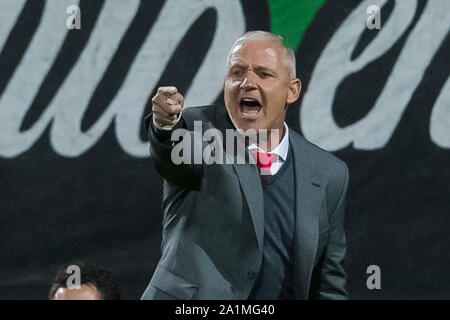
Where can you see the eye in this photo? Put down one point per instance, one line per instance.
(237, 72)
(265, 74)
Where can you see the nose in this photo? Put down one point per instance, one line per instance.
(249, 81)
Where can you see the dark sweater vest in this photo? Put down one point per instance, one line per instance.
(275, 277)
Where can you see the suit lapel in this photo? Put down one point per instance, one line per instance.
(250, 182)
(248, 177)
(308, 198)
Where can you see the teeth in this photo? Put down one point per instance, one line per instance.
(253, 112)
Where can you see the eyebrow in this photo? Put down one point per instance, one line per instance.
(262, 68)
(256, 68)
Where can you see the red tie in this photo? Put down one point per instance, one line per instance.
(263, 161)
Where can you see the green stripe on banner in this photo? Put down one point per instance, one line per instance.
(290, 18)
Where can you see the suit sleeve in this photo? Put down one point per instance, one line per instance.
(329, 276)
(187, 175)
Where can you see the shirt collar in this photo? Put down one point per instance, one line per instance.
(282, 149)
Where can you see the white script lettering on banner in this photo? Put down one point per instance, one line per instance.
(440, 118)
(65, 112)
(334, 65)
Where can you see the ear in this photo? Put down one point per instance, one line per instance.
(294, 90)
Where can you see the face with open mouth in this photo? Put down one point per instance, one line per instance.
(258, 86)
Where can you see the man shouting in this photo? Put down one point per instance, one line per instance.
(272, 228)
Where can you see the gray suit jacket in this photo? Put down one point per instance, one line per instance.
(213, 224)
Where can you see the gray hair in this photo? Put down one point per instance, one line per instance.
(265, 35)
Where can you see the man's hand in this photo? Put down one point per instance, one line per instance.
(166, 106)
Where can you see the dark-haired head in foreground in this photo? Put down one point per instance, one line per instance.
(96, 283)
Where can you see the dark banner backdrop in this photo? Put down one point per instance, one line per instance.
(76, 178)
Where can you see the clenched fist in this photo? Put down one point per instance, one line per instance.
(166, 106)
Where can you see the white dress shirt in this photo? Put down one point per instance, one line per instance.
(281, 151)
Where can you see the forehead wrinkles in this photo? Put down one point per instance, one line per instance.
(263, 56)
